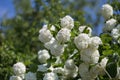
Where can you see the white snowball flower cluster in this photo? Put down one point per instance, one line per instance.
(49, 44)
(45, 34)
(113, 28)
(67, 22)
(90, 56)
(30, 76)
(70, 73)
(82, 41)
(69, 64)
(63, 35)
(70, 69)
(95, 42)
(82, 28)
(62, 54)
(107, 11)
(43, 56)
(19, 70)
(92, 73)
(99, 69)
(51, 76)
(109, 25)
(56, 48)
(54, 44)
(115, 32)
(103, 62)
(84, 70)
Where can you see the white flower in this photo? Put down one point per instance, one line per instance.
(43, 56)
(19, 68)
(109, 25)
(48, 44)
(63, 35)
(90, 56)
(95, 42)
(84, 70)
(51, 76)
(15, 78)
(56, 49)
(115, 33)
(59, 70)
(99, 68)
(42, 68)
(95, 71)
(107, 11)
(103, 62)
(52, 28)
(70, 69)
(82, 28)
(30, 76)
(70, 73)
(45, 34)
(82, 41)
(67, 22)
(69, 64)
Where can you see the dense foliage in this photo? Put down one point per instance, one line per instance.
(19, 41)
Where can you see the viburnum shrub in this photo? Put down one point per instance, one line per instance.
(72, 53)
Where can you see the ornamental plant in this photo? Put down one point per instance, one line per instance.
(71, 52)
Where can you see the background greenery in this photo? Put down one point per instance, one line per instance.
(19, 36)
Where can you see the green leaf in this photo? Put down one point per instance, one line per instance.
(106, 38)
(107, 52)
(112, 69)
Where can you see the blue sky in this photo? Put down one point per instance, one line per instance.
(7, 11)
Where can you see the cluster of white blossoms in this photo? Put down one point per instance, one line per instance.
(111, 25)
(56, 47)
(89, 54)
(45, 34)
(63, 35)
(86, 44)
(67, 22)
(107, 11)
(43, 56)
(19, 70)
(82, 28)
(82, 41)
